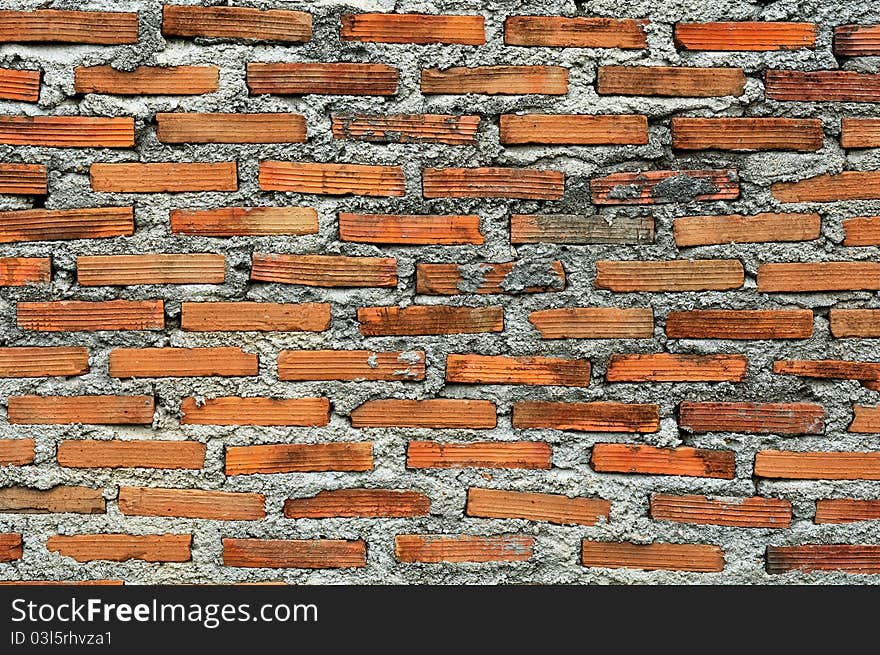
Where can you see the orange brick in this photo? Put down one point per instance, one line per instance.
(351, 365)
(237, 23)
(860, 133)
(740, 324)
(245, 221)
(43, 361)
(147, 80)
(487, 369)
(594, 323)
(649, 460)
(575, 129)
(358, 503)
(23, 179)
(577, 230)
(92, 453)
(233, 410)
(817, 465)
(818, 276)
(856, 40)
(495, 80)
(91, 410)
(804, 135)
(191, 503)
(435, 548)
(410, 229)
(57, 500)
(525, 183)
(292, 458)
(21, 271)
(62, 224)
(849, 185)
(82, 316)
(866, 420)
(181, 362)
(823, 557)
(745, 35)
(21, 85)
(855, 322)
(654, 187)
(846, 510)
(278, 127)
(553, 508)
(862, 231)
(322, 79)
(10, 546)
(16, 452)
(256, 316)
(413, 28)
(700, 558)
(670, 81)
(67, 131)
(324, 270)
(577, 32)
(752, 418)
(828, 368)
(822, 86)
(120, 270)
(417, 320)
(480, 454)
(331, 179)
(164, 177)
(295, 553)
(735, 228)
(485, 278)
(407, 128)
(445, 413)
(52, 26)
(586, 417)
(668, 367)
(122, 547)
(673, 275)
(753, 512)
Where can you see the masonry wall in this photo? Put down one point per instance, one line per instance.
(439, 292)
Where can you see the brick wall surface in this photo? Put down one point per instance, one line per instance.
(463, 291)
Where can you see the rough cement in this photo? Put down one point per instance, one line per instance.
(557, 548)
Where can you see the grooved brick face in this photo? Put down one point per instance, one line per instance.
(439, 293)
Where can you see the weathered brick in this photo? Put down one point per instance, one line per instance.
(277, 127)
(574, 129)
(672, 275)
(331, 178)
(233, 410)
(846, 510)
(351, 365)
(575, 32)
(486, 278)
(860, 132)
(501, 369)
(254, 316)
(291, 458)
(586, 417)
(735, 228)
(804, 135)
(358, 503)
(11, 546)
(817, 465)
(480, 454)
(67, 131)
(181, 362)
(752, 418)
(670, 81)
(649, 460)
(828, 368)
(435, 548)
(578, 230)
(668, 367)
(445, 413)
(245, 221)
(122, 547)
(849, 185)
(654, 187)
(295, 553)
(407, 128)
(321, 79)
(700, 558)
(818, 276)
(495, 80)
(753, 512)
(21, 271)
(191, 503)
(23, 179)
(410, 229)
(413, 28)
(16, 452)
(324, 270)
(823, 557)
(745, 35)
(20, 85)
(53, 26)
(93, 453)
(429, 319)
(525, 183)
(856, 40)
(43, 361)
(147, 80)
(866, 420)
(822, 86)
(740, 324)
(57, 500)
(83, 316)
(863, 323)
(92, 410)
(594, 323)
(237, 23)
(120, 270)
(862, 231)
(63, 224)
(163, 177)
(553, 508)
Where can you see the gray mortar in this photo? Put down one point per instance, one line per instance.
(557, 548)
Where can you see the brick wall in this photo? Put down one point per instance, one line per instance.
(392, 292)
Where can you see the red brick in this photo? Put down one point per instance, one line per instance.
(576, 229)
(445, 413)
(804, 135)
(418, 320)
(822, 86)
(321, 79)
(120, 270)
(525, 183)
(91, 410)
(649, 460)
(245, 221)
(164, 177)
(52, 26)
(856, 40)
(277, 127)
(413, 28)
(818, 276)
(846, 510)
(745, 35)
(700, 558)
(435, 548)
(407, 128)
(574, 129)
(480, 454)
(191, 503)
(67, 131)
(672, 275)
(594, 323)
(181, 362)
(753, 512)
(62, 224)
(21, 271)
(20, 85)
(866, 420)
(292, 458)
(324, 270)
(553, 508)
(237, 23)
(670, 81)
(752, 418)
(862, 231)
(332, 178)
(860, 132)
(43, 361)
(500, 369)
(122, 547)
(147, 80)
(654, 187)
(575, 32)
(828, 368)
(92, 453)
(83, 316)
(295, 553)
(23, 179)
(16, 452)
(586, 417)
(823, 557)
(817, 465)
(855, 322)
(668, 367)
(254, 316)
(358, 503)
(495, 80)
(351, 365)
(232, 410)
(56, 500)
(454, 279)
(735, 228)
(849, 185)
(10, 546)
(740, 324)
(410, 229)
